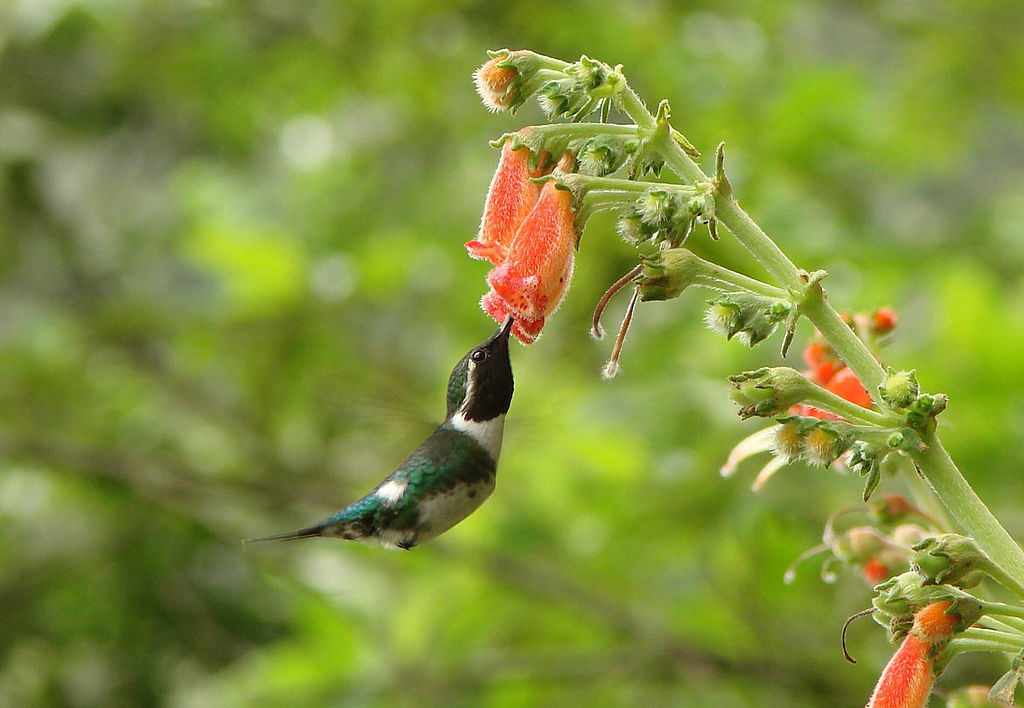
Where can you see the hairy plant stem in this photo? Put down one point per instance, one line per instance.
(934, 463)
(950, 486)
(963, 646)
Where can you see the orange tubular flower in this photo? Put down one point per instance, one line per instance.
(510, 198)
(535, 275)
(845, 384)
(906, 681)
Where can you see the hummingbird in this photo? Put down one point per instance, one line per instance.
(450, 474)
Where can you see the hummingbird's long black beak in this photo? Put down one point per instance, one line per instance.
(506, 327)
(502, 334)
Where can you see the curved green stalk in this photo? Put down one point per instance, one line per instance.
(934, 463)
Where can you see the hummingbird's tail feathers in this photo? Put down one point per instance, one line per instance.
(290, 536)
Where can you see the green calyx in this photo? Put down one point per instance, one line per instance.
(900, 388)
(950, 559)
(768, 392)
(749, 317)
(666, 274)
(899, 598)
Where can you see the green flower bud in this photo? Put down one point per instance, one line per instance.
(666, 274)
(604, 154)
(971, 697)
(900, 388)
(859, 544)
(723, 318)
(909, 535)
(751, 318)
(655, 207)
(768, 391)
(632, 228)
(1005, 688)
(949, 559)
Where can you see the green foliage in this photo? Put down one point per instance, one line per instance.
(232, 286)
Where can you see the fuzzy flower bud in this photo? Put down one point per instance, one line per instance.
(883, 321)
(570, 96)
(900, 388)
(789, 438)
(751, 318)
(859, 544)
(768, 391)
(824, 444)
(510, 77)
(603, 155)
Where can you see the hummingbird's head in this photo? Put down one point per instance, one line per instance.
(480, 387)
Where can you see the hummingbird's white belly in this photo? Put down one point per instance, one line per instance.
(442, 511)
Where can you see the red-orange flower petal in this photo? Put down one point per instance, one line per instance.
(525, 330)
(906, 681)
(845, 384)
(875, 571)
(883, 320)
(537, 270)
(510, 198)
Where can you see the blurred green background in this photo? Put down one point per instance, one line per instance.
(232, 285)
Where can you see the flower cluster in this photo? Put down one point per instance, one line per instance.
(528, 233)
(828, 371)
(880, 547)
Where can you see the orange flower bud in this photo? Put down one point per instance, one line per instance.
(535, 275)
(883, 320)
(875, 572)
(493, 83)
(822, 361)
(510, 198)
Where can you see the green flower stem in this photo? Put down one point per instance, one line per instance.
(586, 183)
(1010, 613)
(924, 496)
(598, 200)
(997, 573)
(716, 277)
(574, 131)
(1009, 624)
(965, 506)
(994, 634)
(828, 401)
(935, 464)
(962, 645)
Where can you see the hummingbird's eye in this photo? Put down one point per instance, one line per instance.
(478, 355)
